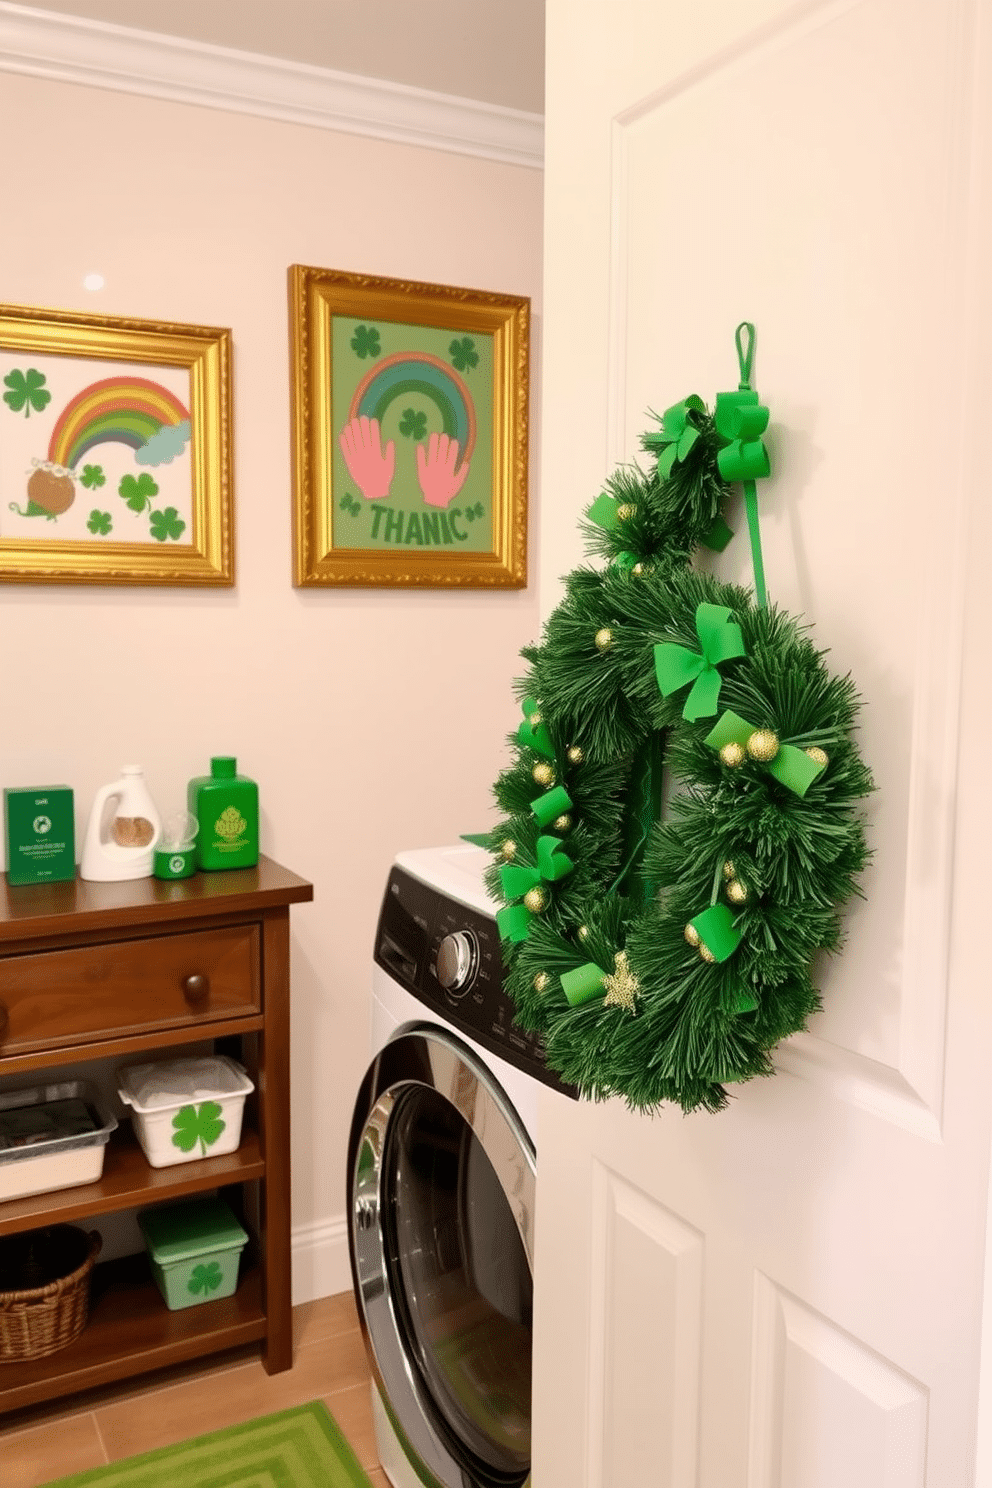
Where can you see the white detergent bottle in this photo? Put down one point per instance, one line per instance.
(123, 830)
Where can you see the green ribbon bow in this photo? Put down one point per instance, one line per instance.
(533, 736)
(553, 803)
(583, 984)
(677, 434)
(791, 767)
(675, 666)
(513, 921)
(717, 932)
(552, 864)
(604, 512)
(740, 419)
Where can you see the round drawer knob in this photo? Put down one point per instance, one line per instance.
(196, 987)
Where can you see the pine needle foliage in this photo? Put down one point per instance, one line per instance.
(730, 832)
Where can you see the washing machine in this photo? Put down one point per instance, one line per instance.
(441, 1185)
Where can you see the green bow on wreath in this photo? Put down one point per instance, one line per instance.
(660, 795)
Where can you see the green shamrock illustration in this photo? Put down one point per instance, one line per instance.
(137, 491)
(27, 391)
(474, 512)
(205, 1278)
(193, 1124)
(412, 424)
(350, 505)
(464, 354)
(365, 342)
(167, 523)
(93, 477)
(100, 523)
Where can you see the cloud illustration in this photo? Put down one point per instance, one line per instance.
(167, 445)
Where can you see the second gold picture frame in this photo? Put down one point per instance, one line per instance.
(410, 432)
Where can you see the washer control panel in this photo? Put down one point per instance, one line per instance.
(448, 955)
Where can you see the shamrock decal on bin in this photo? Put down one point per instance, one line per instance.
(205, 1279)
(192, 1124)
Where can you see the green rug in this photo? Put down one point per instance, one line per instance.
(298, 1448)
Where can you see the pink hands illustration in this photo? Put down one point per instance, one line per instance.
(439, 481)
(368, 465)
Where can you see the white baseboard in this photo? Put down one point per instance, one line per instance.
(67, 49)
(321, 1267)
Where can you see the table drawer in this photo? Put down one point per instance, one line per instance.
(95, 991)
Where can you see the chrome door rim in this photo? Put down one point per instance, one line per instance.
(429, 1056)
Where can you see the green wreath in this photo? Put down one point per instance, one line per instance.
(682, 813)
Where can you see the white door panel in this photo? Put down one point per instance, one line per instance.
(789, 1294)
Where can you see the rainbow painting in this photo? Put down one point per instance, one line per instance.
(121, 410)
(419, 372)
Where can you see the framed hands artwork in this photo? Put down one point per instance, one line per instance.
(115, 462)
(409, 432)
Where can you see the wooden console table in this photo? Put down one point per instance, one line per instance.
(125, 971)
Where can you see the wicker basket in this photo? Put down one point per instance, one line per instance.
(49, 1305)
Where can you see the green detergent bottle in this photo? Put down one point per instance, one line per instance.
(226, 806)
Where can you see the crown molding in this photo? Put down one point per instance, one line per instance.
(66, 49)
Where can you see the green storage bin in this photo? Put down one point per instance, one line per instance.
(195, 1250)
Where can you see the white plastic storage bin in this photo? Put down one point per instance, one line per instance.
(51, 1136)
(186, 1109)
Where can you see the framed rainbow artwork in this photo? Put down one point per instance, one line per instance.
(115, 464)
(410, 422)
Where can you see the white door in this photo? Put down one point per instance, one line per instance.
(789, 1294)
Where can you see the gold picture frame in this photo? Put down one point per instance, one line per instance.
(410, 427)
(132, 416)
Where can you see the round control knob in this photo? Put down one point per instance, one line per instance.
(456, 956)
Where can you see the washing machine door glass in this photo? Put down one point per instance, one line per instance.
(460, 1279)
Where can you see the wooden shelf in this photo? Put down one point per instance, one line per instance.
(92, 971)
(130, 1182)
(130, 1330)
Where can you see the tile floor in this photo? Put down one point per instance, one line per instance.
(48, 1442)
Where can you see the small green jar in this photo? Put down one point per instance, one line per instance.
(226, 806)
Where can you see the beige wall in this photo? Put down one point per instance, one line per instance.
(373, 721)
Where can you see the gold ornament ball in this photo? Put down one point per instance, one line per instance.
(562, 823)
(541, 981)
(536, 900)
(736, 891)
(626, 511)
(728, 870)
(691, 934)
(543, 773)
(818, 756)
(762, 745)
(535, 719)
(509, 848)
(583, 932)
(732, 755)
(604, 639)
(706, 954)
(575, 754)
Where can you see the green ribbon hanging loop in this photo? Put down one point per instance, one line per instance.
(534, 736)
(791, 767)
(740, 421)
(676, 666)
